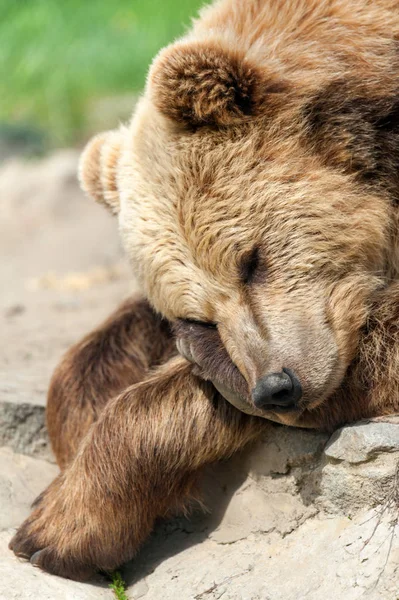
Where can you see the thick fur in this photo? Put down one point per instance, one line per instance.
(116, 355)
(257, 196)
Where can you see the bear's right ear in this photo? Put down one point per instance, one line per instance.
(204, 83)
(98, 168)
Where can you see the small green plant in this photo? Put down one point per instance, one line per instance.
(118, 586)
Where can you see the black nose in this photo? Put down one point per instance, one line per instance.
(277, 391)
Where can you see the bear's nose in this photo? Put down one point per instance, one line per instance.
(277, 391)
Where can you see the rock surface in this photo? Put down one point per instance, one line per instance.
(360, 442)
(323, 558)
(298, 516)
(257, 542)
(22, 479)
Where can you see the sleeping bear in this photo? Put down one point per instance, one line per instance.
(257, 194)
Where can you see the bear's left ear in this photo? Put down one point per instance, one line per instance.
(98, 168)
(201, 83)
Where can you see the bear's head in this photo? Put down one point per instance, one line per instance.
(262, 245)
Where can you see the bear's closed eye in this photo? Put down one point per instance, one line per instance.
(252, 267)
(196, 323)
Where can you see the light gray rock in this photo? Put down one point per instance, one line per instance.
(284, 448)
(331, 558)
(252, 510)
(22, 428)
(22, 479)
(362, 441)
(347, 488)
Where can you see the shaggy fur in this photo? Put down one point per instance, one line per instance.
(257, 195)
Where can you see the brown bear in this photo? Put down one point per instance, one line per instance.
(257, 194)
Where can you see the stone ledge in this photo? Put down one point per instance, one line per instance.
(286, 521)
(360, 442)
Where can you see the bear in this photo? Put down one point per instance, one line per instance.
(257, 195)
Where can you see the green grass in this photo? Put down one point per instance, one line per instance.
(118, 586)
(58, 57)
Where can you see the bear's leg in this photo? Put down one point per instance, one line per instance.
(117, 354)
(139, 460)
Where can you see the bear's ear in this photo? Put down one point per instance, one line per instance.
(98, 168)
(204, 84)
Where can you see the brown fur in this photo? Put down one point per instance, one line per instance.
(198, 84)
(257, 196)
(118, 354)
(99, 177)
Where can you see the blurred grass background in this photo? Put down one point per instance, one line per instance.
(70, 67)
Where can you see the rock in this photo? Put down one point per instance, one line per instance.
(332, 558)
(22, 479)
(22, 428)
(284, 448)
(242, 505)
(251, 510)
(347, 489)
(363, 441)
(138, 590)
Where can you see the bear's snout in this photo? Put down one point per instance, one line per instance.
(279, 392)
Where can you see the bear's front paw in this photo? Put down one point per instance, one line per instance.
(63, 538)
(54, 559)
